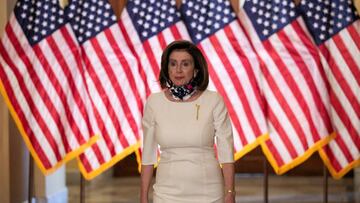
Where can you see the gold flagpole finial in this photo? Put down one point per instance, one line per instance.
(357, 6)
(63, 3)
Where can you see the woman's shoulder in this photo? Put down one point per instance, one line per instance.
(155, 97)
(215, 100)
(213, 95)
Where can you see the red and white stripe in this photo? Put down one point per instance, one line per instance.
(340, 56)
(118, 94)
(234, 69)
(46, 93)
(295, 89)
(148, 53)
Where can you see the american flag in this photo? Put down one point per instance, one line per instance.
(233, 67)
(41, 81)
(113, 82)
(148, 27)
(293, 83)
(335, 27)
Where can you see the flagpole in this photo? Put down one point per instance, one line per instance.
(82, 189)
(31, 178)
(266, 180)
(325, 184)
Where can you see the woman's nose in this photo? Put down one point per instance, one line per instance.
(178, 68)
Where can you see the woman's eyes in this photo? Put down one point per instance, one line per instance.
(185, 64)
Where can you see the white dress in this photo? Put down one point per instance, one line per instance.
(188, 171)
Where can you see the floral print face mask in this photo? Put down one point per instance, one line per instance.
(183, 92)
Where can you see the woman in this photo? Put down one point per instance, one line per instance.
(184, 120)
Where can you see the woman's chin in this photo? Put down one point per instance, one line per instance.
(179, 83)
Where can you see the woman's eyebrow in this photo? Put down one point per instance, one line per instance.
(181, 60)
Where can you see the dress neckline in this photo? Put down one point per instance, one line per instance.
(185, 102)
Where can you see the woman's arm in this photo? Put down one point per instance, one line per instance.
(149, 156)
(146, 176)
(228, 171)
(225, 147)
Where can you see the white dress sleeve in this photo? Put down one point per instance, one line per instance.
(149, 153)
(223, 133)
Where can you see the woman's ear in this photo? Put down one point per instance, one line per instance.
(195, 72)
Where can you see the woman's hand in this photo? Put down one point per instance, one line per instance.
(146, 176)
(144, 200)
(229, 197)
(228, 170)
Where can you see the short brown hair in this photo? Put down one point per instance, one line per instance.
(202, 77)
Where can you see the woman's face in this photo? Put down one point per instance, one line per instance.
(181, 67)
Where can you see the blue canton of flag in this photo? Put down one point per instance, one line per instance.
(88, 18)
(268, 17)
(151, 17)
(205, 18)
(39, 20)
(326, 18)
